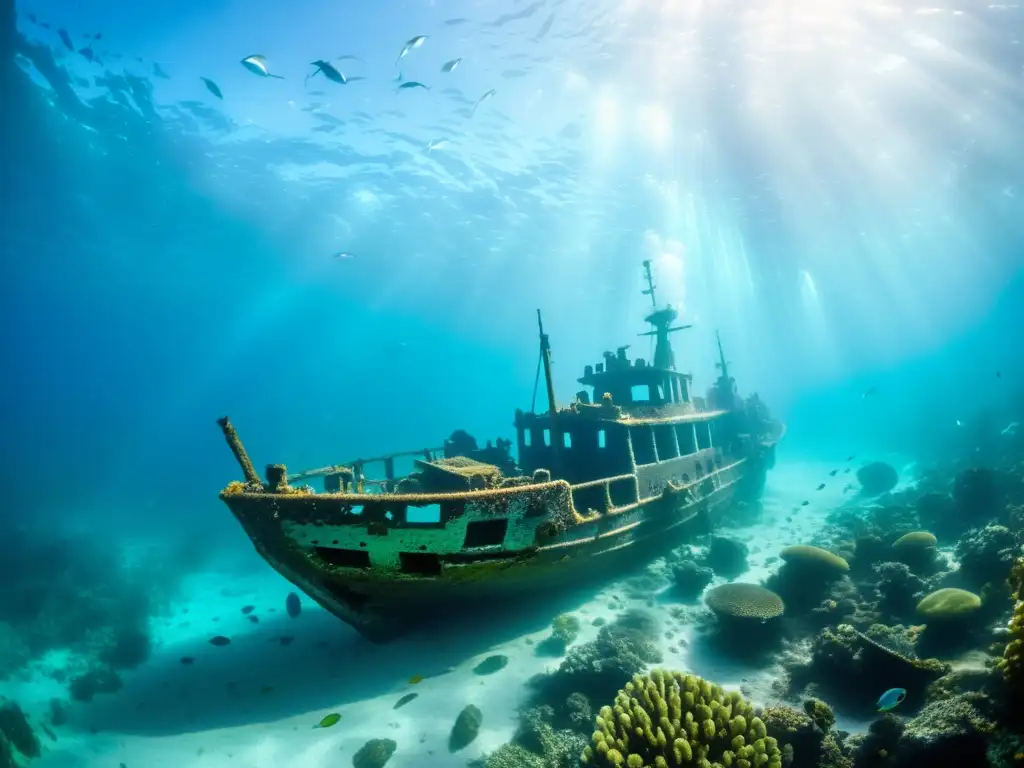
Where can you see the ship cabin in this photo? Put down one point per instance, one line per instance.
(624, 438)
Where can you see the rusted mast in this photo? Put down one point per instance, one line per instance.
(235, 444)
(545, 356)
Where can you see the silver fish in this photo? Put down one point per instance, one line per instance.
(449, 66)
(329, 71)
(411, 45)
(212, 87)
(481, 100)
(257, 64)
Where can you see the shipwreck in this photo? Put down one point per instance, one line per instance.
(631, 468)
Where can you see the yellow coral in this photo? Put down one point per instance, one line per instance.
(916, 539)
(673, 720)
(807, 555)
(1012, 663)
(948, 603)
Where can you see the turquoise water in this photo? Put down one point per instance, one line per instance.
(351, 269)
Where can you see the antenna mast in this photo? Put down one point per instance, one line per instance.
(723, 365)
(650, 283)
(661, 320)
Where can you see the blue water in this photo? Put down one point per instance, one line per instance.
(838, 191)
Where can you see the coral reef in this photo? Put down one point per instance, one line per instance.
(727, 557)
(898, 591)
(511, 755)
(466, 728)
(806, 741)
(98, 679)
(917, 550)
(83, 595)
(806, 577)
(596, 669)
(540, 740)
(16, 735)
(853, 668)
(877, 478)
(690, 579)
(949, 604)
(938, 513)
(977, 495)
(814, 559)
(672, 719)
(874, 749)
(1012, 662)
(374, 754)
(744, 601)
(747, 619)
(564, 631)
(954, 731)
(986, 555)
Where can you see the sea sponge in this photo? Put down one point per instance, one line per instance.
(948, 603)
(916, 540)
(744, 601)
(672, 719)
(802, 554)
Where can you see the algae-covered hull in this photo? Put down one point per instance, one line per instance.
(367, 560)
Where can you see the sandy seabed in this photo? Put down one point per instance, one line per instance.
(254, 703)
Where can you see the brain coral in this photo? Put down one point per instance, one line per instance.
(670, 719)
(803, 554)
(916, 539)
(744, 601)
(948, 603)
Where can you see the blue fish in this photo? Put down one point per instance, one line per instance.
(891, 698)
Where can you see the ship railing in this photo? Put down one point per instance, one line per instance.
(339, 477)
(598, 495)
(584, 497)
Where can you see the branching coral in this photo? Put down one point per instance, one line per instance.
(672, 719)
(898, 590)
(986, 555)
(596, 669)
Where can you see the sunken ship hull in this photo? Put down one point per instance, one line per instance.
(629, 470)
(369, 561)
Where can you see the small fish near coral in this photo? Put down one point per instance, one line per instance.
(328, 720)
(891, 699)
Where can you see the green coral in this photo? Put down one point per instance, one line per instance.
(565, 628)
(821, 713)
(668, 719)
(374, 754)
(744, 601)
(948, 603)
(806, 555)
(916, 540)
